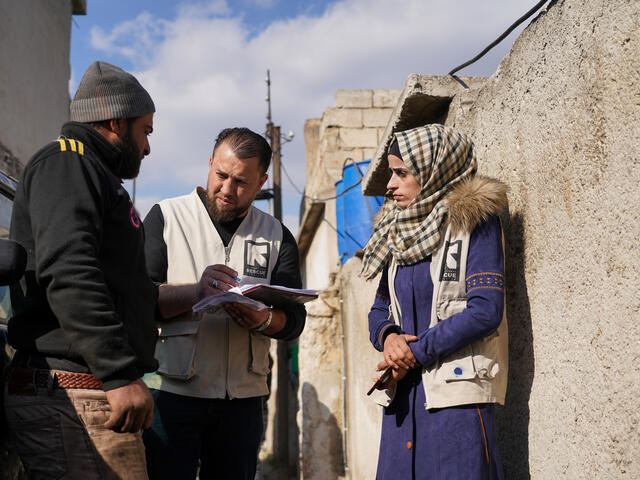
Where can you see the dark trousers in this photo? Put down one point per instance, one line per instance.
(224, 435)
(61, 434)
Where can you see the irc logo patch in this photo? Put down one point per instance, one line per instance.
(133, 216)
(256, 258)
(451, 265)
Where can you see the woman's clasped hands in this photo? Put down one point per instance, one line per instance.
(397, 355)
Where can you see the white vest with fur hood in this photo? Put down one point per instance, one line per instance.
(484, 364)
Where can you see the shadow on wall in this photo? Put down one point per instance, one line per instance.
(513, 419)
(321, 439)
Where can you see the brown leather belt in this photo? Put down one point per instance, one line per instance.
(26, 381)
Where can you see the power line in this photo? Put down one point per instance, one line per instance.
(500, 38)
(316, 199)
(535, 8)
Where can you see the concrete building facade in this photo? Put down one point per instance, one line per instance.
(34, 76)
(558, 122)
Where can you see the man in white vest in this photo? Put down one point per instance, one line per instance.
(213, 366)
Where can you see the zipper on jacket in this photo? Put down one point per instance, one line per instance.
(227, 249)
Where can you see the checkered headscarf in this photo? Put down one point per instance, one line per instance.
(439, 158)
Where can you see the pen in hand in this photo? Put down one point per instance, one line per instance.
(384, 378)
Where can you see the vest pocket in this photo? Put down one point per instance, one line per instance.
(485, 353)
(259, 353)
(176, 349)
(473, 361)
(450, 306)
(459, 366)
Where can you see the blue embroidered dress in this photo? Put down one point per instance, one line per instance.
(448, 443)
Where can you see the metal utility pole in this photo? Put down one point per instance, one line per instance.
(277, 192)
(281, 417)
(273, 132)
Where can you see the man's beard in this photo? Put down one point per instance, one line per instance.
(224, 214)
(131, 155)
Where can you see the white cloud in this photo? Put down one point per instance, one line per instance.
(144, 204)
(206, 72)
(291, 221)
(133, 39)
(73, 84)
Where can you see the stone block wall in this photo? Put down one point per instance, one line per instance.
(320, 417)
(352, 128)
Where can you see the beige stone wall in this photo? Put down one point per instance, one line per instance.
(559, 123)
(321, 259)
(320, 417)
(364, 417)
(34, 77)
(333, 384)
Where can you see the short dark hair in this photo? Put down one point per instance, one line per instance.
(105, 123)
(99, 124)
(245, 143)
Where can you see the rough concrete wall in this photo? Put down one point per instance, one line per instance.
(267, 448)
(320, 395)
(317, 264)
(364, 417)
(559, 122)
(311, 141)
(34, 75)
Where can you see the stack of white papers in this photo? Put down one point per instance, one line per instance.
(275, 294)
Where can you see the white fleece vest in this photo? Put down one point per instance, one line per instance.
(478, 372)
(209, 355)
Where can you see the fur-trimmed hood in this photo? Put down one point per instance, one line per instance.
(474, 200)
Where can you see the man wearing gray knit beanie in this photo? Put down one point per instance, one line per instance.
(83, 324)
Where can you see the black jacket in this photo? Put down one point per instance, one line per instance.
(85, 302)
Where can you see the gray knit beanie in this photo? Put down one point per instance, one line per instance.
(107, 92)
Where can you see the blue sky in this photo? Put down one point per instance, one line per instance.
(106, 15)
(204, 63)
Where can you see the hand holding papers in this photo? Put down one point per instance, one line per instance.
(257, 297)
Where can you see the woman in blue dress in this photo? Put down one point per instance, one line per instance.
(438, 315)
